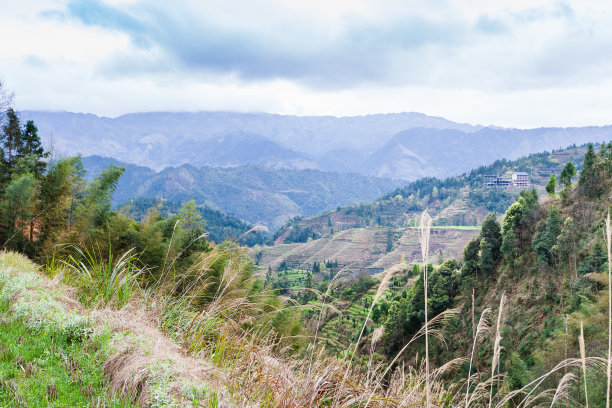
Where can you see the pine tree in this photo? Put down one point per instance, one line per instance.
(491, 233)
(567, 173)
(470, 258)
(487, 261)
(32, 146)
(510, 246)
(588, 181)
(12, 141)
(595, 261)
(190, 216)
(546, 237)
(552, 184)
(17, 209)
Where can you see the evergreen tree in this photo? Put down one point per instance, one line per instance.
(269, 274)
(470, 257)
(487, 261)
(606, 158)
(546, 237)
(567, 173)
(550, 186)
(510, 247)
(513, 216)
(491, 233)
(596, 260)
(389, 242)
(32, 146)
(191, 219)
(566, 242)
(588, 181)
(12, 141)
(17, 209)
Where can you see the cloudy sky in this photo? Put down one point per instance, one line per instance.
(521, 63)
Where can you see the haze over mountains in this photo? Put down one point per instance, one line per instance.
(401, 145)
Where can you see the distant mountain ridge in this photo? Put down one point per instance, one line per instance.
(159, 140)
(252, 193)
(404, 146)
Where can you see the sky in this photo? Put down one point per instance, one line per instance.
(516, 63)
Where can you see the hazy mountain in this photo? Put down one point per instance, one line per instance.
(404, 145)
(158, 140)
(252, 193)
(420, 152)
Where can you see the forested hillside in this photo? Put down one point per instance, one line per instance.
(528, 292)
(462, 200)
(254, 194)
(325, 335)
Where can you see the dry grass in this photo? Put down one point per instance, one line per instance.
(609, 363)
(164, 346)
(424, 235)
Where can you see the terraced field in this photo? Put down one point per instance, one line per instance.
(360, 248)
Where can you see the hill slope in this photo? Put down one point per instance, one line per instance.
(255, 194)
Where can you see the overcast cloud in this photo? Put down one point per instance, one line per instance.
(512, 63)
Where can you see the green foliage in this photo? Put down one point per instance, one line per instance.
(31, 362)
(11, 139)
(407, 314)
(567, 173)
(17, 208)
(546, 236)
(190, 217)
(32, 148)
(512, 218)
(389, 247)
(491, 239)
(94, 208)
(595, 261)
(551, 185)
(48, 356)
(103, 280)
(588, 181)
(510, 246)
(486, 263)
(471, 257)
(219, 226)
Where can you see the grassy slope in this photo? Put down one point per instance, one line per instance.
(47, 356)
(53, 351)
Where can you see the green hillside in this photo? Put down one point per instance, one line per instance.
(456, 201)
(545, 264)
(119, 312)
(219, 226)
(251, 193)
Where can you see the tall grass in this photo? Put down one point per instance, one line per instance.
(496, 345)
(233, 331)
(609, 363)
(424, 235)
(102, 281)
(583, 361)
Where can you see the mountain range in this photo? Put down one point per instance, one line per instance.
(403, 146)
(252, 193)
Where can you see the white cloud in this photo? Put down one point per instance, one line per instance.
(514, 63)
